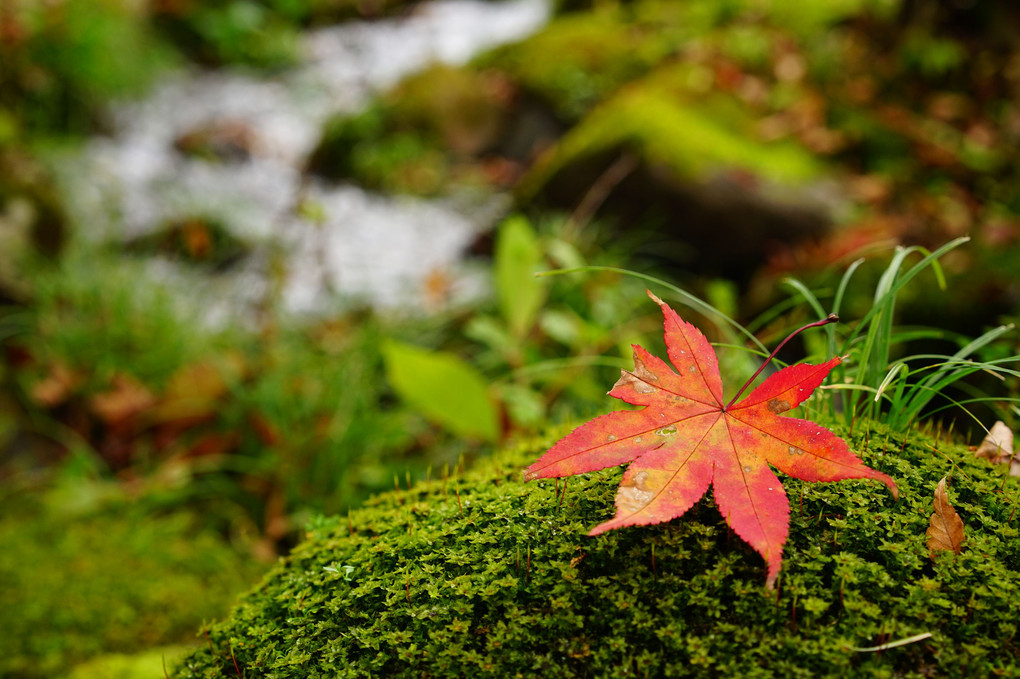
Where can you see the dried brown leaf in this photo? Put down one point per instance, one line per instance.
(125, 399)
(998, 445)
(192, 394)
(945, 529)
(57, 386)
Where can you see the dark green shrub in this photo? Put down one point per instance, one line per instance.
(483, 575)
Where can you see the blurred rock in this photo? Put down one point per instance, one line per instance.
(223, 139)
(705, 195)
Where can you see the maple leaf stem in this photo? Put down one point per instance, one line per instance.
(831, 318)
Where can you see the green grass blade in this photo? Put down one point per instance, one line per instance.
(808, 296)
(891, 644)
(687, 298)
(952, 370)
(922, 394)
(873, 357)
(899, 370)
(982, 399)
(771, 314)
(928, 260)
(837, 300)
(556, 364)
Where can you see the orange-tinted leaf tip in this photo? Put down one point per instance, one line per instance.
(889, 483)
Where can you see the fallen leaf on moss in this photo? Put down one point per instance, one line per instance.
(57, 386)
(685, 440)
(945, 528)
(997, 447)
(126, 398)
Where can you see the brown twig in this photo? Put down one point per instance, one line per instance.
(598, 192)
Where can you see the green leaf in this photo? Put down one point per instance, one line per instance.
(443, 388)
(518, 258)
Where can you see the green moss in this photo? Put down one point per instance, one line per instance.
(599, 47)
(75, 587)
(417, 138)
(144, 665)
(595, 52)
(662, 120)
(483, 575)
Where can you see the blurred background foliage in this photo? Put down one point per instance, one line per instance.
(764, 156)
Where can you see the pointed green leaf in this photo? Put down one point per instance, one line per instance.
(518, 257)
(443, 388)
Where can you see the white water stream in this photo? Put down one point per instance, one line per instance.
(377, 249)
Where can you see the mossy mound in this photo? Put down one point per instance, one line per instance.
(483, 575)
(73, 587)
(593, 53)
(144, 665)
(419, 137)
(667, 124)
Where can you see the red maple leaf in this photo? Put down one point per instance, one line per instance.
(685, 439)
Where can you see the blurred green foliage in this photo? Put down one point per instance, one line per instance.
(593, 57)
(418, 137)
(689, 134)
(113, 364)
(518, 258)
(366, 149)
(114, 578)
(99, 318)
(63, 59)
(445, 388)
(144, 665)
(259, 33)
(235, 31)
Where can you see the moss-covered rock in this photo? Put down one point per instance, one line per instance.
(579, 59)
(421, 136)
(705, 192)
(667, 123)
(483, 575)
(74, 587)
